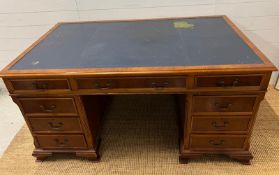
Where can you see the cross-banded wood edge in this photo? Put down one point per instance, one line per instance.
(266, 66)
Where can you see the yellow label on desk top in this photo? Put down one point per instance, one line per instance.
(183, 24)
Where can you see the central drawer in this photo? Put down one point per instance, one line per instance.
(224, 104)
(48, 106)
(136, 82)
(61, 141)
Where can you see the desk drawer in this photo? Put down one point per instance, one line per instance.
(48, 105)
(222, 142)
(224, 103)
(61, 141)
(228, 81)
(220, 124)
(39, 84)
(57, 124)
(137, 82)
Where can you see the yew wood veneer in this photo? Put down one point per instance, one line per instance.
(219, 77)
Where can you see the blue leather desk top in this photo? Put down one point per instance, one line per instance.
(157, 43)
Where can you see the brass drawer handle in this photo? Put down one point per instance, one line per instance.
(224, 106)
(215, 125)
(99, 85)
(61, 143)
(235, 82)
(221, 83)
(40, 86)
(214, 143)
(159, 85)
(55, 126)
(50, 108)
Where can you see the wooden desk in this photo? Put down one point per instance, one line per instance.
(60, 83)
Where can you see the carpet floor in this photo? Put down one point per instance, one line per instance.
(139, 136)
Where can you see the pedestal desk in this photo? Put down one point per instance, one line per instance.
(219, 77)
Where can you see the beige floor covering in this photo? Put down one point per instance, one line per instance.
(139, 136)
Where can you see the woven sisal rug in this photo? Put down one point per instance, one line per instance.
(139, 136)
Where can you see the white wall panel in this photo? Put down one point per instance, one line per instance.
(147, 12)
(131, 4)
(15, 44)
(241, 1)
(23, 31)
(36, 19)
(27, 6)
(258, 23)
(264, 8)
